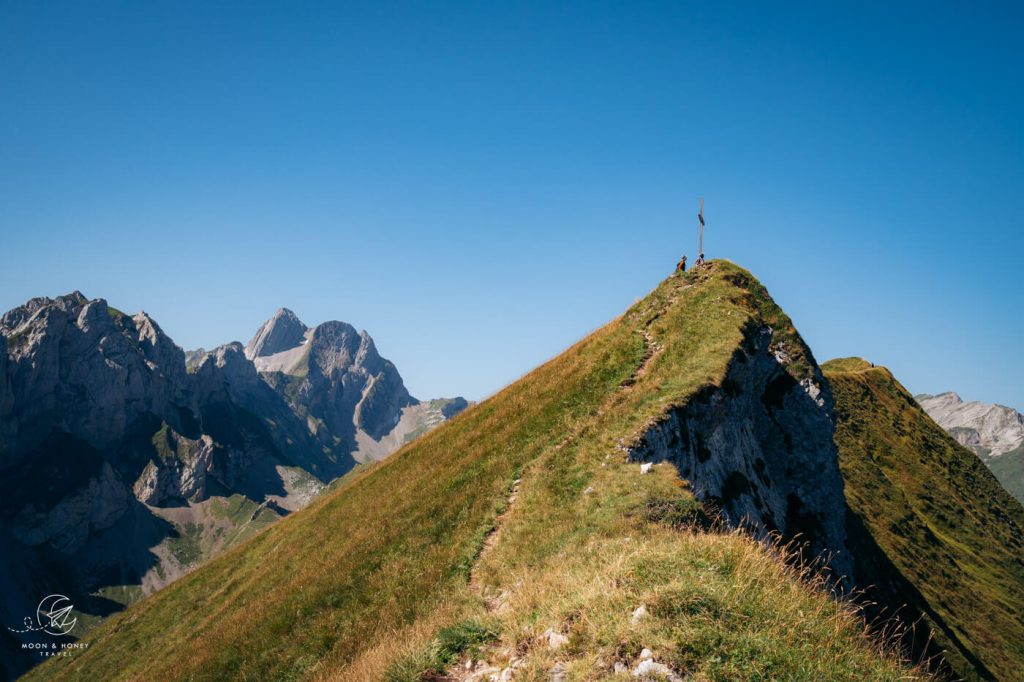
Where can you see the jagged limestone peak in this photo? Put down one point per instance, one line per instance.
(284, 330)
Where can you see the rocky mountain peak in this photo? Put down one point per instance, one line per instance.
(333, 375)
(995, 428)
(14, 319)
(284, 330)
(949, 398)
(230, 357)
(367, 354)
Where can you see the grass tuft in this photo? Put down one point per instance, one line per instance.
(450, 644)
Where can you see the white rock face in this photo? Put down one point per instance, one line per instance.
(555, 640)
(86, 369)
(652, 670)
(997, 428)
(181, 477)
(282, 331)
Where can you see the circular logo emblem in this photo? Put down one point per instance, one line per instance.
(54, 615)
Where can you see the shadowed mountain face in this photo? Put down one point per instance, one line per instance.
(122, 466)
(994, 432)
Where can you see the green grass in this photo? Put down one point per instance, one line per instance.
(451, 643)
(939, 515)
(370, 580)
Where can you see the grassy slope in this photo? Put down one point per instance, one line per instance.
(358, 585)
(939, 515)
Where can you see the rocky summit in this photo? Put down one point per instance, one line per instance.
(125, 462)
(994, 432)
(333, 377)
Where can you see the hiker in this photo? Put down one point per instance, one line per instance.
(699, 262)
(682, 265)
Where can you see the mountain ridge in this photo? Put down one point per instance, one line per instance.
(593, 525)
(953, 535)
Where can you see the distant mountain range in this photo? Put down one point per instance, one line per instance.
(994, 432)
(126, 462)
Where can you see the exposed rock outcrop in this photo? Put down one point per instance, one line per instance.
(759, 448)
(181, 473)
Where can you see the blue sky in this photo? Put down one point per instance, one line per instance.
(480, 184)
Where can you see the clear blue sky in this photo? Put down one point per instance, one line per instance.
(480, 184)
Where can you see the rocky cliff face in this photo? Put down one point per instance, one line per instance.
(83, 368)
(333, 376)
(124, 463)
(6, 396)
(282, 331)
(759, 448)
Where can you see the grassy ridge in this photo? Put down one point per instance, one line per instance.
(940, 516)
(383, 577)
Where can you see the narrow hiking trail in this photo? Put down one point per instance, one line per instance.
(492, 663)
(494, 602)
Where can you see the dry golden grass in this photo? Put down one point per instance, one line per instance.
(720, 606)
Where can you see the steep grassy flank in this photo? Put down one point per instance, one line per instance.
(399, 571)
(940, 516)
